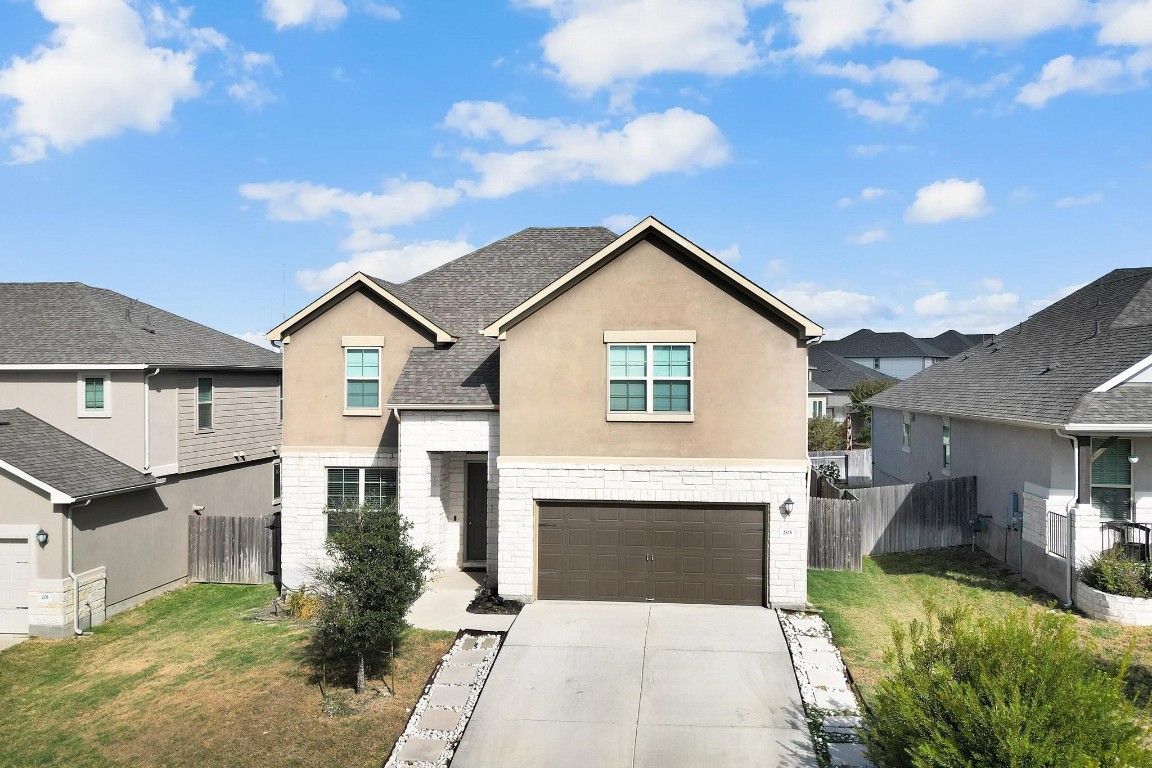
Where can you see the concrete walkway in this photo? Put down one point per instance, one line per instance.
(7, 641)
(639, 685)
(444, 605)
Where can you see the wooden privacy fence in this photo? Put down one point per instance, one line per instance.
(855, 463)
(233, 550)
(846, 525)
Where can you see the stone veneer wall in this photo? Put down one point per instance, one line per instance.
(1135, 611)
(50, 610)
(522, 483)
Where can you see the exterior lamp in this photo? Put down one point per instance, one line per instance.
(788, 505)
(1133, 459)
(42, 538)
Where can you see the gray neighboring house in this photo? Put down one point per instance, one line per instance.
(837, 376)
(1053, 417)
(117, 421)
(897, 354)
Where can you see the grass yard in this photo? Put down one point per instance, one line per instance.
(861, 607)
(191, 679)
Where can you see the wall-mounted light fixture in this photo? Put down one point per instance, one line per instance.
(1133, 459)
(42, 538)
(788, 505)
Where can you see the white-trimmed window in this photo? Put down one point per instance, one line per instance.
(205, 402)
(362, 379)
(93, 395)
(356, 486)
(1112, 478)
(817, 408)
(946, 443)
(650, 382)
(276, 482)
(906, 433)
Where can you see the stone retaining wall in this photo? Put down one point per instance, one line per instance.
(1135, 611)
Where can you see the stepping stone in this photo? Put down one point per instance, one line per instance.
(468, 644)
(488, 642)
(827, 678)
(449, 696)
(834, 700)
(439, 720)
(422, 751)
(820, 659)
(848, 755)
(816, 644)
(844, 726)
(807, 624)
(456, 675)
(468, 657)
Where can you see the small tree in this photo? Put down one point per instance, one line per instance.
(860, 394)
(825, 434)
(374, 577)
(1011, 691)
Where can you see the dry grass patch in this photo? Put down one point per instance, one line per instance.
(190, 679)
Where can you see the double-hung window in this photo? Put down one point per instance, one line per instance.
(362, 379)
(93, 395)
(1112, 478)
(946, 443)
(650, 382)
(350, 487)
(906, 433)
(205, 399)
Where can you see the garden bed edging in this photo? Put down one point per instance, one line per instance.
(1133, 611)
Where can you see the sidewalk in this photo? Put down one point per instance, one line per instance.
(444, 605)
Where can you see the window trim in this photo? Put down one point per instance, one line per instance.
(946, 445)
(906, 432)
(378, 410)
(361, 479)
(817, 405)
(81, 401)
(628, 339)
(1130, 487)
(211, 403)
(278, 483)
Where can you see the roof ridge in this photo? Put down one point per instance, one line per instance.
(112, 327)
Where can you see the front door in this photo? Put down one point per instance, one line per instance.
(476, 514)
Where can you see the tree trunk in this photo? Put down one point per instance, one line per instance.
(360, 674)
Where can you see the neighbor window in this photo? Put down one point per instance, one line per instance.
(1112, 478)
(650, 378)
(817, 408)
(92, 395)
(906, 432)
(946, 443)
(876, 363)
(204, 403)
(353, 487)
(276, 481)
(362, 378)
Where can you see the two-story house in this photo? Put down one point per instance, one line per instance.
(582, 415)
(897, 354)
(118, 420)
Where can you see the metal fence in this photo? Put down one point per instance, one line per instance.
(233, 550)
(1057, 533)
(1132, 538)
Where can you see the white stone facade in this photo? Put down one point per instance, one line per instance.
(50, 607)
(523, 483)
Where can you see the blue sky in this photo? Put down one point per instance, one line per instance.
(896, 164)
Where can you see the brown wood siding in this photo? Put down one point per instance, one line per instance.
(245, 418)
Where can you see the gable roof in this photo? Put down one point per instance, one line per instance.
(868, 343)
(816, 389)
(76, 325)
(1044, 370)
(646, 228)
(837, 373)
(954, 342)
(68, 468)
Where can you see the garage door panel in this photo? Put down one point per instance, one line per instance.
(15, 581)
(693, 539)
(635, 538)
(607, 537)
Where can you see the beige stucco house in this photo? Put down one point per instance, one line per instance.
(579, 414)
(117, 421)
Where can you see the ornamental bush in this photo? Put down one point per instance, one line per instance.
(1012, 691)
(1117, 574)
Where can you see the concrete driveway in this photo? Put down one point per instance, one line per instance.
(639, 685)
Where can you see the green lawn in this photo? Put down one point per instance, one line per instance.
(191, 679)
(861, 608)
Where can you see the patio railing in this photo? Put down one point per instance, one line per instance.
(1133, 538)
(1058, 533)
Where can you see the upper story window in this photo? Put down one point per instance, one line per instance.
(650, 382)
(205, 402)
(946, 443)
(876, 363)
(906, 433)
(93, 395)
(1112, 478)
(362, 379)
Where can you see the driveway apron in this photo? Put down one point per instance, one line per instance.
(640, 685)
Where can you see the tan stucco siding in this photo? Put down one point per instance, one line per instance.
(27, 509)
(750, 374)
(314, 374)
(245, 419)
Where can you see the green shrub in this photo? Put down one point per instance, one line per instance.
(1117, 574)
(1013, 691)
(826, 434)
(830, 471)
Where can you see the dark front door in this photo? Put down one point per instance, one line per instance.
(476, 514)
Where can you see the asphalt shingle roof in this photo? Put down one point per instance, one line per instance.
(466, 295)
(65, 463)
(838, 374)
(954, 342)
(1044, 370)
(73, 323)
(816, 389)
(869, 343)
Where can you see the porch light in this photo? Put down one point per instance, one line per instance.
(788, 505)
(1133, 459)
(42, 538)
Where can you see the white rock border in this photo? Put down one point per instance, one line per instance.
(473, 638)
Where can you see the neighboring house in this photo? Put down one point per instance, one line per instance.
(117, 421)
(582, 415)
(838, 376)
(1052, 416)
(897, 354)
(817, 398)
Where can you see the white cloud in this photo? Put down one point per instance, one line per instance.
(96, 77)
(621, 222)
(777, 267)
(835, 309)
(259, 339)
(824, 25)
(948, 200)
(1074, 202)
(401, 202)
(296, 13)
(869, 236)
(248, 90)
(1093, 74)
(905, 82)
(729, 255)
(599, 44)
(986, 313)
(867, 195)
(1125, 22)
(675, 141)
(381, 11)
(395, 263)
(992, 284)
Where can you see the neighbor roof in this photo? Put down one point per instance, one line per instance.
(816, 389)
(58, 462)
(836, 373)
(1044, 370)
(76, 324)
(954, 342)
(869, 343)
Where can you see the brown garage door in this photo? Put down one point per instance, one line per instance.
(671, 554)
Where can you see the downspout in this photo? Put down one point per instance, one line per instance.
(148, 422)
(1070, 515)
(71, 569)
